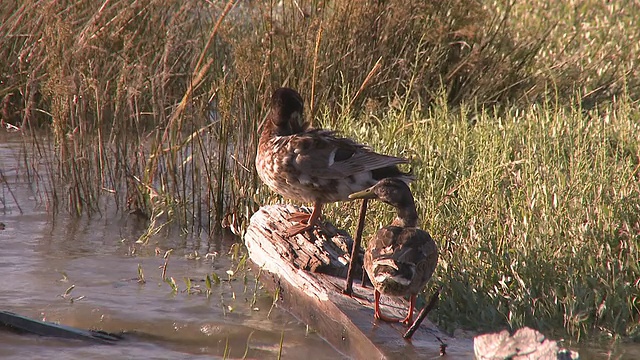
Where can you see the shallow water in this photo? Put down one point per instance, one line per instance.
(42, 257)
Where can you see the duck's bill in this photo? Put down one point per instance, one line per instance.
(364, 194)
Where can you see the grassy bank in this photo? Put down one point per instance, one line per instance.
(521, 120)
(536, 211)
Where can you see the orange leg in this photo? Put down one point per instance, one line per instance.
(376, 312)
(311, 222)
(409, 319)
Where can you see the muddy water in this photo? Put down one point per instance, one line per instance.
(41, 257)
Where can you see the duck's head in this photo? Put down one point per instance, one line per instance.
(286, 112)
(392, 191)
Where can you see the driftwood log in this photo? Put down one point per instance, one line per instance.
(309, 270)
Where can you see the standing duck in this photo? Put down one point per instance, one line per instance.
(315, 165)
(400, 258)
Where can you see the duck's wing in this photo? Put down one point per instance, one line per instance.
(322, 154)
(385, 249)
(423, 251)
(400, 254)
(413, 245)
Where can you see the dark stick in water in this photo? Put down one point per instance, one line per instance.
(356, 246)
(423, 314)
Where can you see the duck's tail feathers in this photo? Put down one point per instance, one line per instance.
(388, 270)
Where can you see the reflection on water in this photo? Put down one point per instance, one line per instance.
(41, 258)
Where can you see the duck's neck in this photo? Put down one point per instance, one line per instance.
(269, 132)
(407, 217)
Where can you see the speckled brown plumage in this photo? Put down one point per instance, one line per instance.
(401, 258)
(315, 165)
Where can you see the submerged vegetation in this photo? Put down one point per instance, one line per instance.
(521, 120)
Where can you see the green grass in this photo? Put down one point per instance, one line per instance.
(520, 120)
(536, 211)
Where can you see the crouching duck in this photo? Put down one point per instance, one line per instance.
(315, 165)
(400, 258)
